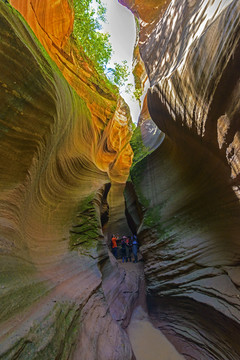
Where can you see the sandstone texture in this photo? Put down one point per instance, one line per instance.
(52, 22)
(64, 136)
(184, 200)
(64, 160)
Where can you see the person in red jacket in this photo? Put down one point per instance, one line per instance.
(114, 245)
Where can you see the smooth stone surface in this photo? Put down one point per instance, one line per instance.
(56, 155)
(186, 192)
(147, 341)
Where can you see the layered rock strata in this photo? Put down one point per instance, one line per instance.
(52, 23)
(188, 188)
(56, 155)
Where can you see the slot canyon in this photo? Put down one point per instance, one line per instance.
(74, 171)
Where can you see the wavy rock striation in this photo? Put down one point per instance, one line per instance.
(60, 144)
(187, 190)
(65, 135)
(53, 24)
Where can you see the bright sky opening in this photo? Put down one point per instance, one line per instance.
(120, 24)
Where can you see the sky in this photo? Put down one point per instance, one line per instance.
(120, 25)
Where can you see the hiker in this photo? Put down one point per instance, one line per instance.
(114, 246)
(135, 248)
(123, 248)
(128, 249)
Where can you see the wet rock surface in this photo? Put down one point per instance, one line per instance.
(124, 288)
(147, 341)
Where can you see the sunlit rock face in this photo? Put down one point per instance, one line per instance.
(52, 22)
(55, 160)
(189, 186)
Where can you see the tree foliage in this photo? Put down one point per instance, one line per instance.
(119, 74)
(86, 29)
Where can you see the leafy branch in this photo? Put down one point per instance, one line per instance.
(87, 32)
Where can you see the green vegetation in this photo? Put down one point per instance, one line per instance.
(53, 337)
(139, 149)
(152, 218)
(137, 94)
(136, 175)
(119, 74)
(85, 231)
(139, 164)
(15, 303)
(87, 23)
(87, 32)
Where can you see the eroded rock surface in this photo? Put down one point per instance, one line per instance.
(60, 145)
(52, 23)
(188, 188)
(65, 135)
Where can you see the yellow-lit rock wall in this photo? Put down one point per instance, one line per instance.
(52, 23)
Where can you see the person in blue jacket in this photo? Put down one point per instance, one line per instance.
(135, 248)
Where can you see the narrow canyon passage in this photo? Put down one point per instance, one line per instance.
(147, 341)
(129, 305)
(75, 169)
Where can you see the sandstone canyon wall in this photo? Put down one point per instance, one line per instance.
(186, 203)
(64, 136)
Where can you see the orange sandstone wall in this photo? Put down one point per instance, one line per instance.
(147, 13)
(52, 23)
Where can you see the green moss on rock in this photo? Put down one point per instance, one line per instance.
(14, 302)
(139, 149)
(85, 231)
(52, 338)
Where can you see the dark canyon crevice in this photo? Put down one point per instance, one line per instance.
(104, 207)
(133, 209)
